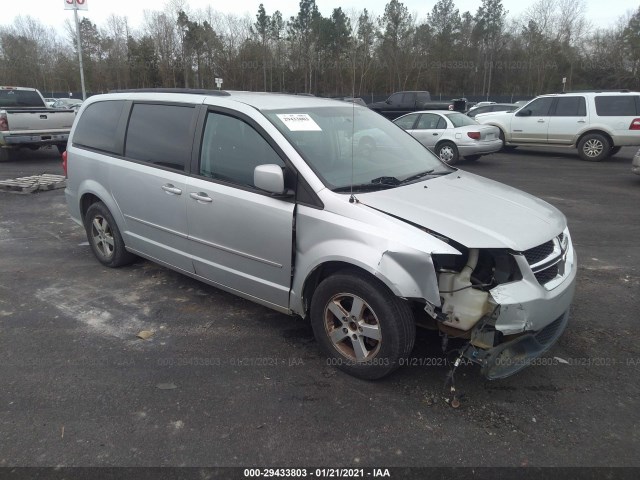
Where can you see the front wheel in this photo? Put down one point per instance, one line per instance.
(614, 150)
(594, 147)
(448, 153)
(360, 325)
(104, 237)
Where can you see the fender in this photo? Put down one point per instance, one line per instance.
(393, 251)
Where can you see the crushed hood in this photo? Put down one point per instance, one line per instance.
(472, 210)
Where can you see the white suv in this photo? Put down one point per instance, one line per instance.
(597, 123)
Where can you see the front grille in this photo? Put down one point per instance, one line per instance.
(539, 253)
(549, 333)
(547, 274)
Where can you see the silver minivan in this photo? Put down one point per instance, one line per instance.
(269, 197)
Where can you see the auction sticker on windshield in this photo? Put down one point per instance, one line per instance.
(299, 122)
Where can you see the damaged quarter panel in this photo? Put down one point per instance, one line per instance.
(391, 250)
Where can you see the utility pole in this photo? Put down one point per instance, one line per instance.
(76, 5)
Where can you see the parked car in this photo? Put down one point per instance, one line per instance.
(494, 107)
(356, 100)
(597, 123)
(401, 103)
(27, 122)
(68, 103)
(635, 164)
(312, 227)
(451, 135)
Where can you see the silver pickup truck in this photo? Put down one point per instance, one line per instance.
(27, 122)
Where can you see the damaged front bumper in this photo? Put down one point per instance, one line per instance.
(529, 318)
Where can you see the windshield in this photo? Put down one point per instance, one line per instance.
(460, 120)
(338, 140)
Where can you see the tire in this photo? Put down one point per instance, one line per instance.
(614, 151)
(367, 342)
(448, 153)
(472, 158)
(505, 148)
(594, 147)
(104, 237)
(7, 155)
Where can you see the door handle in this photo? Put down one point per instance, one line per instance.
(169, 188)
(435, 134)
(201, 197)
(582, 121)
(541, 121)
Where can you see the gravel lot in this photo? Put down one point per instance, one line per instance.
(225, 382)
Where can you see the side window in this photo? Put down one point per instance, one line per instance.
(571, 107)
(616, 106)
(429, 121)
(395, 99)
(232, 149)
(423, 97)
(540, 107)
(97, 127)
(409, 98)
(442, 124)
(407, 122)
(160, 134)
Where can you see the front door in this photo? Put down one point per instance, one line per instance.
(531, 124)
(241, 238)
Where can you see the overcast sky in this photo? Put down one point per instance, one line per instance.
(601, 13)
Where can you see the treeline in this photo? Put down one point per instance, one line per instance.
(449, 53)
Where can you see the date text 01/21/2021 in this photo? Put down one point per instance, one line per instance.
(317, 473)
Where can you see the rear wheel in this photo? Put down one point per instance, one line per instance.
(104, 237)
(614, 150)
(448, 153)
(362, 327)
(7, 155)
(594, 147)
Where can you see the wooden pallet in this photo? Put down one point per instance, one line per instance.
(33, 183)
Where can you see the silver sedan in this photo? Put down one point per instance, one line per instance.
(451, 135)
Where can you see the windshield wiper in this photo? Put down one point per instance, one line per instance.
(375, 184)
(418, 176)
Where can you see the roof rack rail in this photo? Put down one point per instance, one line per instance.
(619, 90)
(192, 91)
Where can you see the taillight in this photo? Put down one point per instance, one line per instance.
(4, 123)
(64, 162)
(474, 135)
(635, 124)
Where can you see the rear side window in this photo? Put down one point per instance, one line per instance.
(407, 121)
(616, 105)
(571, 107)
(160, 134)
(98, 125)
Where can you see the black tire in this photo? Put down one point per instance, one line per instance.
(594, 147)
(472, 158)
(448, 153)
(354, 347)
(506, 148)
(104, 237)
(7, 155)
(614, 151)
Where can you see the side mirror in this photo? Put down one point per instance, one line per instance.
(524, 113)
(269, 178)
